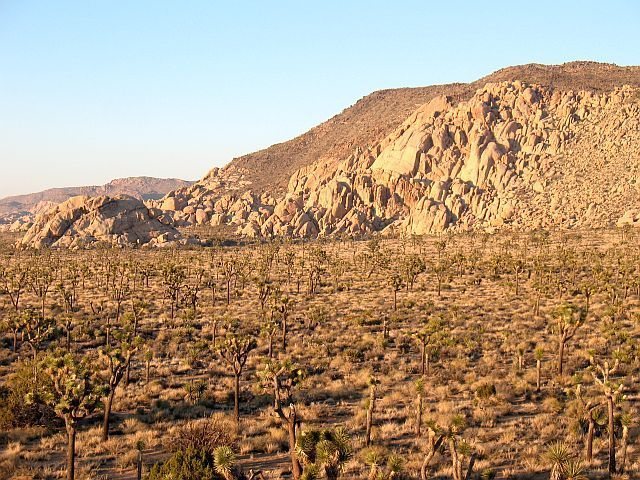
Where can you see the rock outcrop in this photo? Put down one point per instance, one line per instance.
(515, 155)
(527, 147)
(82, 221)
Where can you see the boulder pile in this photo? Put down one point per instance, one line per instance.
(514, 155)
(83, 221)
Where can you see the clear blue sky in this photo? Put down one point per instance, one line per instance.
(92, 90)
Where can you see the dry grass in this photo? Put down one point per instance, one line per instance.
(509, 427)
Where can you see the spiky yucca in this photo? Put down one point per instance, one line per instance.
(329, 449)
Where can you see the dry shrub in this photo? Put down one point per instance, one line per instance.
(203, 435)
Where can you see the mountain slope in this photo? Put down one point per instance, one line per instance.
(506, 151)
(375, 116)
(514, 155)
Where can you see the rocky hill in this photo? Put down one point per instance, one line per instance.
(514, 155)
(143, 188)
(518, 148)
(375, 116)
(525, 147)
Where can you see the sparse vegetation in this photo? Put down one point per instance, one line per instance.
(266, 360)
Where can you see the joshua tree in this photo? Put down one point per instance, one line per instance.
(12, 322)
(458, 448)
(371, 406)
(326, 450)
(431, 336)
(269, 329)
(567, 319)
(282, 377)
(558, 455)
(118, 358)
(230, 272)
(139, 449)
(40, 280)
(412, 266)
(518, 267)
(36, 330)
(396, 285)
(435, 440)
(626, 421)
(173, 277)
(74, 392)
(234, 350)
(602, 375)
(14, 281)
(281, 304)
(148, 356)
(382, 465)
(590, 411)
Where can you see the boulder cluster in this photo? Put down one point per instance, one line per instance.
(508, 157)
(513, 156)
(82, 221)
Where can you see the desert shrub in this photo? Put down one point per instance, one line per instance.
(185, 465)
(203, 435)
(486, 391)
(14, 410)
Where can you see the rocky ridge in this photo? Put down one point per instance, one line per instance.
(511, 152)
(514, 155)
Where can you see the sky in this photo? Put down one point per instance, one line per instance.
(96, 90)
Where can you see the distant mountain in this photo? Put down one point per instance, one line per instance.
(143, 188)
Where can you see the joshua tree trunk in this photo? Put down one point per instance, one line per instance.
(107, 414)
(147, 369)
(455, 460)
(418, 415)
(139, 466)
(561, 354)
(284, 333)
(589, 446)
(429, 457)
(538, 374)
(472, 462)
(68, 338)
(370, 408)
(623, 448)
(236, 398)
(71, 451)
(612, 437)
(291, 428)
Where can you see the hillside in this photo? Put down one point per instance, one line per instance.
(375, 116)
(523, 148)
